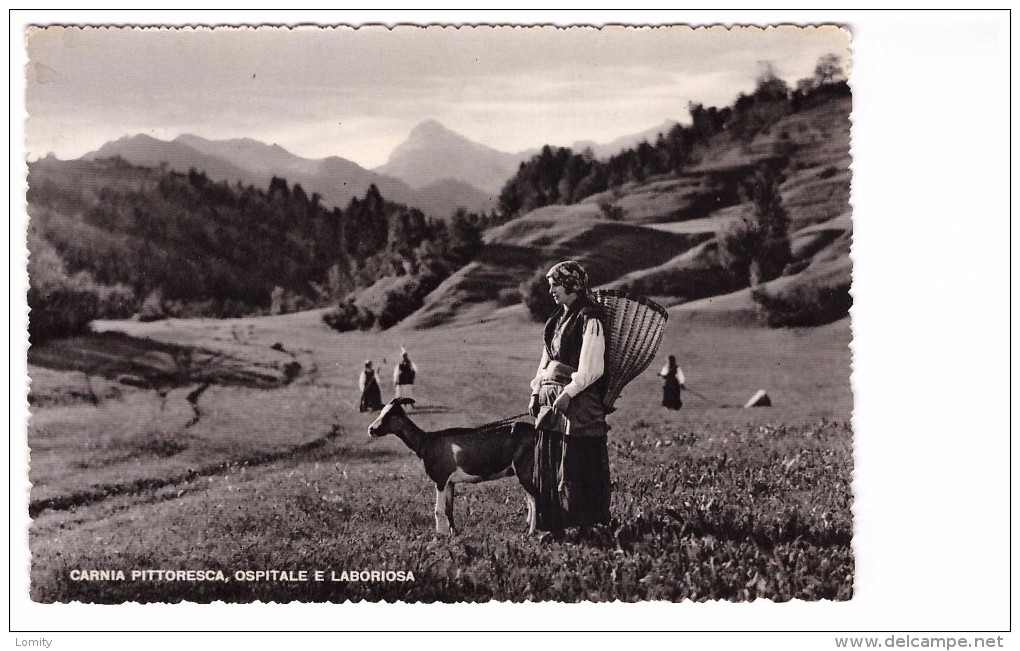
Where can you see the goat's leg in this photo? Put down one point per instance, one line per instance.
(442, 524)
(448, 495)
(444, 508)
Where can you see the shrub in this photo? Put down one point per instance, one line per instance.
(285, 301)
(152, 308)
(509, 296)
(59, 312)
(115, 302)
(738, 244)
(291, 371)
(758, 249)
(348, 316)
(804, 305)
(233, 309)
(610, 211)
(535, 295)
(400, 302)
(796, 267)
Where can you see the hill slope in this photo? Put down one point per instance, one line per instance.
(662, 241)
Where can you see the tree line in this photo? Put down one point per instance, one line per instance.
(111, 240)
(562, 176)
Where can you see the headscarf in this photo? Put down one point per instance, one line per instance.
(571, 276)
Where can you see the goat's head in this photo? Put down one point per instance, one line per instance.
(391, 414)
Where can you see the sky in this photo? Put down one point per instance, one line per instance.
(358, 93)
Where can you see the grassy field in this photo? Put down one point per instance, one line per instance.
(711, 502)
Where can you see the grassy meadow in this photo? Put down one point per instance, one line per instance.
(270, 469)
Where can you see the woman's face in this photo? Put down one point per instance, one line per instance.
(559, 294)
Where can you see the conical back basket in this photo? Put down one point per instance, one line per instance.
(634, 327)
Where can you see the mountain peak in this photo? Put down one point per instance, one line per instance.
(138, 137)
(431, 133)
(430, 127)
(433, 152)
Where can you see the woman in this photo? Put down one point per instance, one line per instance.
(371, 397)
(403, 376)
(672, 383)
(571, 456)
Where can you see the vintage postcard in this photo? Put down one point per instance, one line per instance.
(439, 315)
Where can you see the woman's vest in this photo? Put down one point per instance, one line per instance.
(570, 325)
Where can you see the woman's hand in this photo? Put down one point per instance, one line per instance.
(533, 406)
(562, 402)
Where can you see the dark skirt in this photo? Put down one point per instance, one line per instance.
(371, 397)
(671, 394)
(572, 481)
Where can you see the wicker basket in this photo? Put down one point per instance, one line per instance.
(634, 327)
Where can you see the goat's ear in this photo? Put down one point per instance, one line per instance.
(402, 401)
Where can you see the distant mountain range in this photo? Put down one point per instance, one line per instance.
(435, 170)
(249, 161)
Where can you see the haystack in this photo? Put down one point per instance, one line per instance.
(759, 399)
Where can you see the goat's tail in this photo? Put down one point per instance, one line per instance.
(496, 424)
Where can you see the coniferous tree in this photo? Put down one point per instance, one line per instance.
(757, 249)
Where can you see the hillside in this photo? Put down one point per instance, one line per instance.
(113, 240)
(660, 237)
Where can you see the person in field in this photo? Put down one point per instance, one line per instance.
(404, 374)
(371, 396)
(571, 456)
(672, 384)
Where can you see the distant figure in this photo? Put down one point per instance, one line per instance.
(403, 376)
(371, 397)
(672, 383)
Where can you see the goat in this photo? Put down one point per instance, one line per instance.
(464, 455)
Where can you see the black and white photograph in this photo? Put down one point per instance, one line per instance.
(344, 314)
(631, 317)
